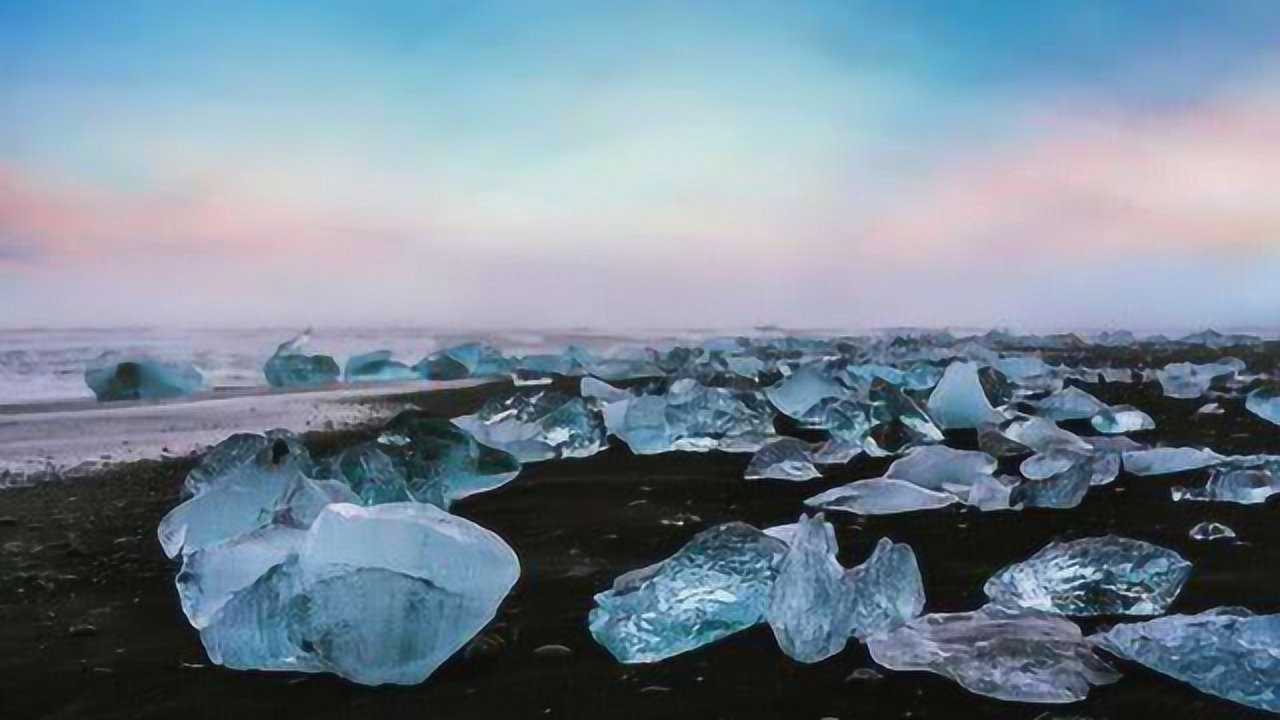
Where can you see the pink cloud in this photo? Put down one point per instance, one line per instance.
(1200, 180)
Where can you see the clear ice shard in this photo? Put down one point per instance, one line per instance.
(1165, 460)
(1188, 380)
(1211, 531)
(994, 492)
(373, 475)
(376, 595)
(886, 591)
(1106, 575)
(1228, 652)
(442, 462)
(804, 390)
(538, 425)
(1070, 403)
(1265, 403)
(377, 366)
(880, 496)
(958, 401)
(782, 459)
(937, 467)
(1121, 419)
(1060, 488)
(693, 417)
(717, 584)
(590, 387)
(1247, 486)
(440, 366)
(1018, 655)
(809, 607)
(142, 379)
(289, 367)
(236, 450)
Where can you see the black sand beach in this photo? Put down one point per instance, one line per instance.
(90, 625)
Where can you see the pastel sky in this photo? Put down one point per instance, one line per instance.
(552, 164)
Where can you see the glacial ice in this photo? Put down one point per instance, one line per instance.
(692, 417)
(1069, 403)
(1265, 403)
(1210, 531)
(937, 467)
(538, 425)
(958, 401)
(377, 595)
(374, 476)
(442, 462)
(1228, 652)
(806, 389)
(1061, 488)
(816, 605)
(289, 367)
(377, 366)
(1244, 485)
(1188, 380)
(142, 379)
(1107, 575)
(886, 590)
(1166, 460)
(1121, 419)
(809, 606)
(717, 584)
(782, 459)
(236, 450)
(441, 366)
(880, 496)
(1018, 655)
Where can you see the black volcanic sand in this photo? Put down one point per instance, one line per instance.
(90, 624)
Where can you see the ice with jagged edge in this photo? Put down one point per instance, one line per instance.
(142, 379)
(1167, 460)
(1122, 419)
(1188, 380)
(1019, 655)
(958, 401)
(376, 595)
(783, 459)
(1069, 403)
(816, 605)
(691, 416)
(880, 496)
(289, 367)
(1209, 530)
(441, 461)
(1265, 403)
(1228, 652)
(717, 584)
(1243, 485)
(538, 425)
(377, 366)
(1107, 575)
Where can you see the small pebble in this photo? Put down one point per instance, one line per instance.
(553, 651)
(82, 630)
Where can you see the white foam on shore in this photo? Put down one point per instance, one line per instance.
(41, 440)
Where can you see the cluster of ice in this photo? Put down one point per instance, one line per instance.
(733, 576)
(537, 425)
(340, 566)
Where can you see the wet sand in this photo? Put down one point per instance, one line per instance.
(90, 625)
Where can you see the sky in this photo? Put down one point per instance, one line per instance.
(849, 164)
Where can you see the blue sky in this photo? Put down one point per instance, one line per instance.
(856, 164)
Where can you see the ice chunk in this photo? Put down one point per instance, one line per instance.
(373, 475)
(805, 389)
(479, 359)
(809, 607)
(1070, 403)
(1107, 575)
(1212, 408)
(1018, 655)
(993, 493)
(1063, 488)
(221, 459)
(717, 584)
(880, 496)
(1042, 435)
(1122, 419)
(900, 422)
(937, 467)
(1211, 531)
(958, 400)
(376, 595)
(288, 367)
(1247, 486)
(1265, 403)
(441, 366)
(377, 366)
(886, 590)
(1188, 380)
(1228, 652)
(692, 417)
(602, 391)
(783, 459)
(1165, 460)
(143, 379)
(538, 425)
(211, 575)
(995, 443)
(442, 462)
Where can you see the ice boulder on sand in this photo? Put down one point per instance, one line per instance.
(142, 380)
